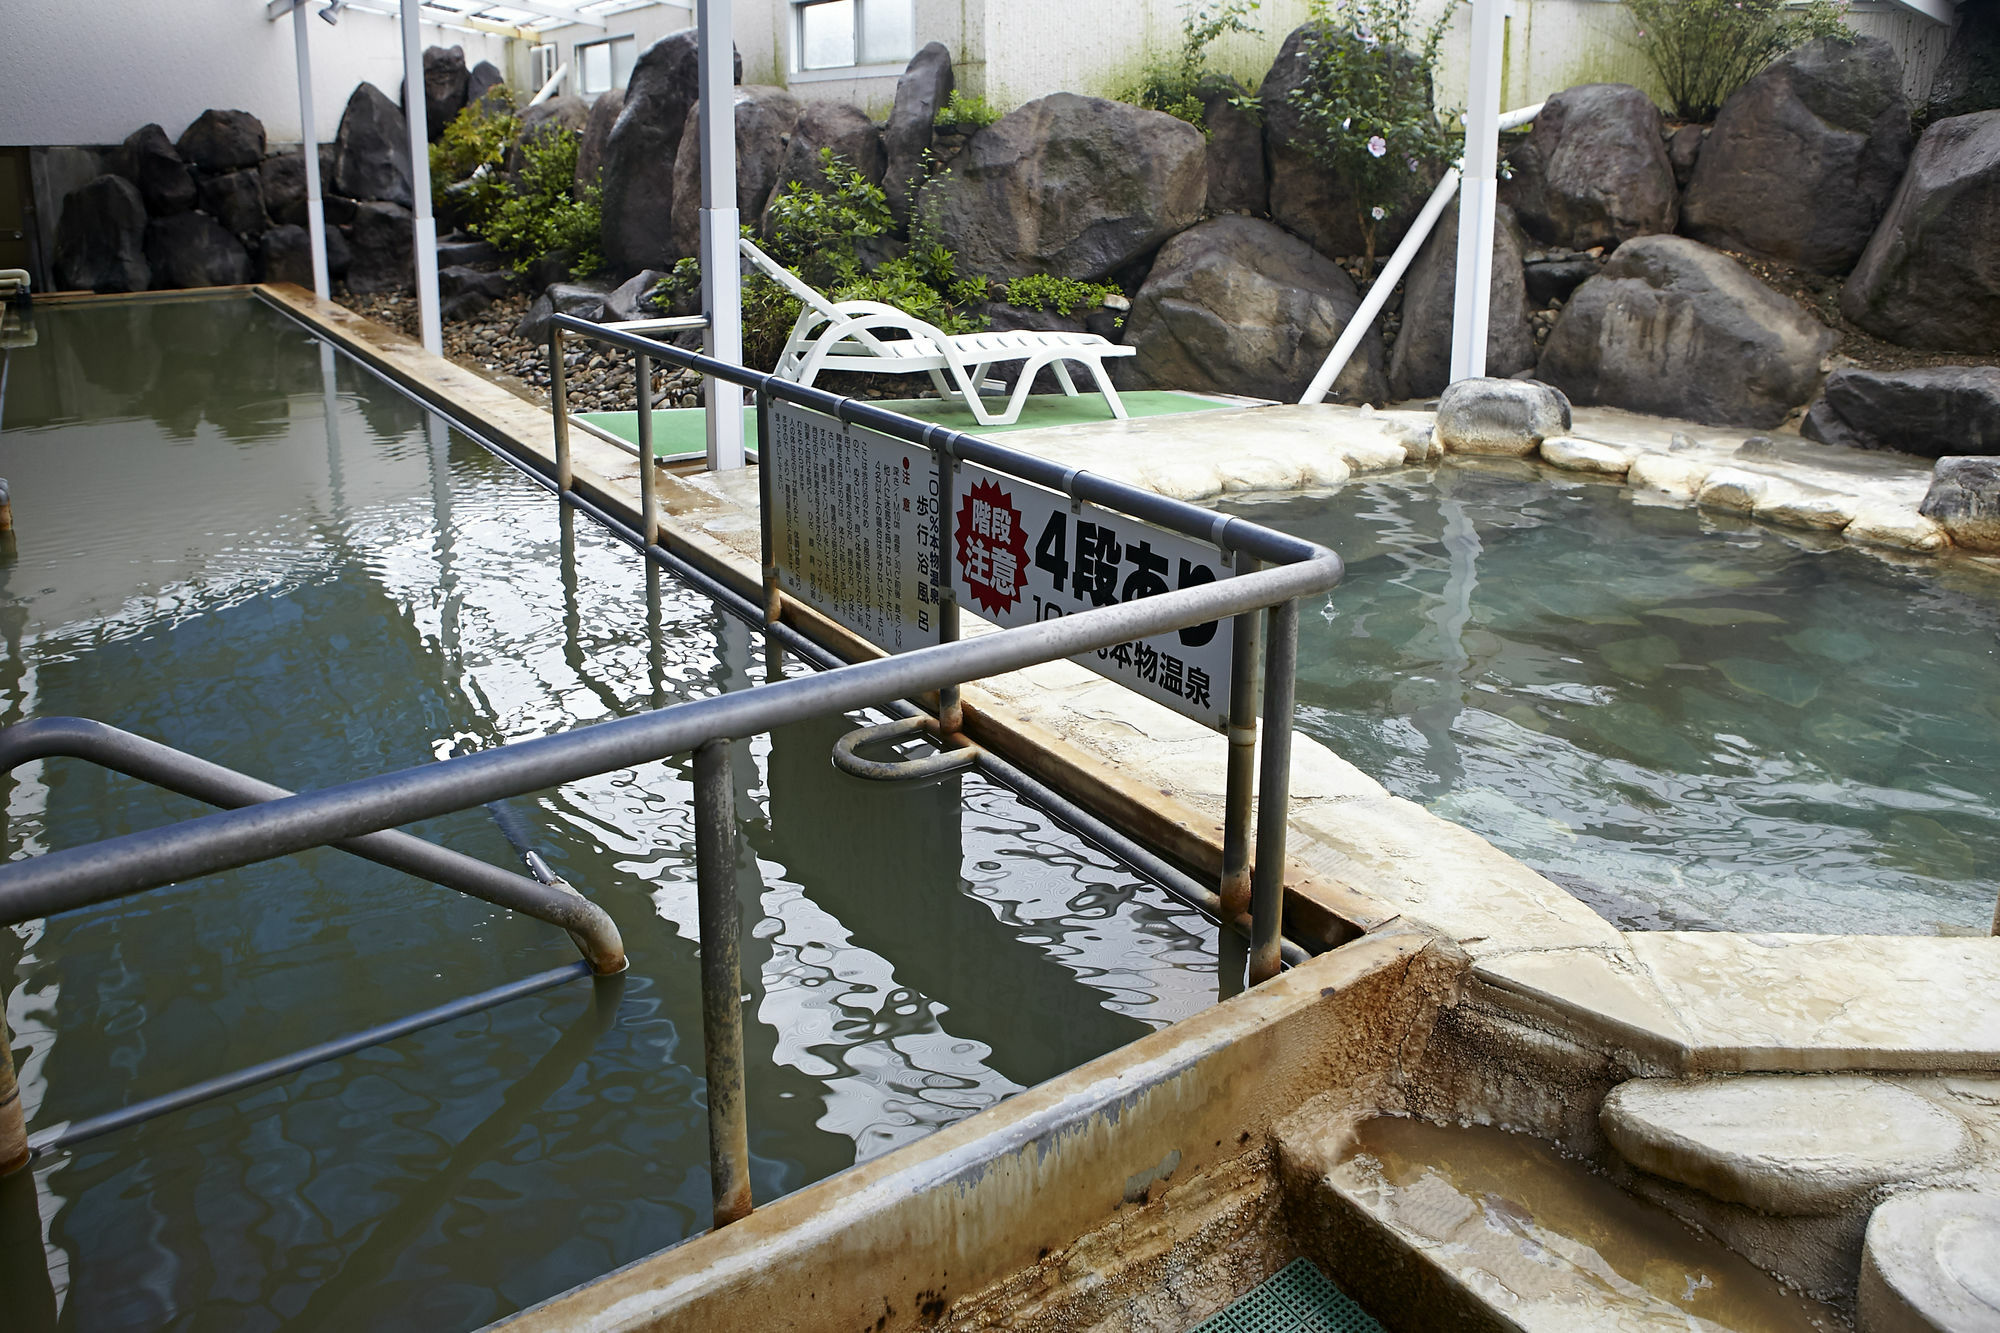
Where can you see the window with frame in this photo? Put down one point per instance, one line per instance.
(602, 66)
(542, 64)
(837, 34)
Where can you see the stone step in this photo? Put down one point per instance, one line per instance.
(1470, 1227)
(1787, 1145)
(1932, 1264)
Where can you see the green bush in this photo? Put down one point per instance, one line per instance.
(541, 210)
(1704, 50)
(1065, 296)
(1175, 84)
(1364, 103)
(965, 113)
(475, 138)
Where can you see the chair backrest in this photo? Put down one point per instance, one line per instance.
(787, 279)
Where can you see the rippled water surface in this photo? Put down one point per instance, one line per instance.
(1692, 724)
(236, 542)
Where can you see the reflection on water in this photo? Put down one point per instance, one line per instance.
(264, 556)
(1689, 722)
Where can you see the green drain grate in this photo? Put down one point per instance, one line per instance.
(1296, 1299)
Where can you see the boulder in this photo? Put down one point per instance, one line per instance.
(596, 129)
(1930, 276)
(1239, 305)
(484, 78)
(854, 139)
(1238, 180)
(193, 250)
(765, 120)
(558, 115)
(1076, 187)
(1553, 274)
(1804, 158)
(628, 299)
(284, 254)
(1684, 151)
(1594, 170)
(100, 240)
(1965, 498)
(1936, 411)
(372, 149)
(236, 200)
(1311, 200)
(382, 240)
(465, 292)
(339, 255)
(639, 154)
(1421, 364)
(1498, 416)
(445, 83)
(467, 252)
(926, 85)
(1968, 78)
(223, 141)
(284, 182)
(1675, 328)
(584, 302)
(160, 172)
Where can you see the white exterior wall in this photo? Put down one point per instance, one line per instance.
(643, 26)
(93, 71)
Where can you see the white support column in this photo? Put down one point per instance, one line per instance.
(1479, 191)
(721, 269)
(315, 208)
(425, 249)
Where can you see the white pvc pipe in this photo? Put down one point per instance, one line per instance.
(309, 148)
(549, 88)
(1471, 308)
(425, 227)
(721, 269)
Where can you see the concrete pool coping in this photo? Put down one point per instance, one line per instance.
(1675, 1002)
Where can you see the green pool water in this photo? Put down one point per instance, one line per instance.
(232, 540)
(1690, 722)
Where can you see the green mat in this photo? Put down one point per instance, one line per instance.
(682, 432)
(1296, 1299)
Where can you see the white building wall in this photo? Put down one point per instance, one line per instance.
(93, 71)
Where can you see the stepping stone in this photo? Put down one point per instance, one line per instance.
(1790, 1145)
(1931, 1264)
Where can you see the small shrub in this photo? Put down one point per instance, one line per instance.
(1364, 103)
(475, 138)
(1704, 50)
(1175, 84)
(542, 210)
(1065, 296)
(965, 113)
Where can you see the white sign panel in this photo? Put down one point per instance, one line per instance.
(1024, 554)
(854, 521)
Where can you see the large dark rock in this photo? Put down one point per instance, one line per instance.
(1076, 187)
(854, 139)
(223, 141)
(765, 121)
(1238, 305)
(100, 241)
(161, 173)
(339, 255)
(1311, 200)
(1239, 181)
(284, 181)
(926, 85)
(1594, 170)
(465, 292)
(1509, 418)
(1684, 151)
(570, 298)
(445, 81)
(1421, 364)
(382, 242)
(193, 250)
(284, 254)
(1965, 498)
(1935, 411)
(372, 149)
(629, 299)
(1968, 78)
(1804, 158)
(484, 78)
(1930, 276)
(596, 130)
(1675, 328)
(1553, 274)
(639, 154)
(467, 252)
(558, 115)
(236, 200)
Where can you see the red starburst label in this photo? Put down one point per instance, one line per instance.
(992, 547)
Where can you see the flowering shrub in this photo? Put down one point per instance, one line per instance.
(1704, 50)
(1364, 104)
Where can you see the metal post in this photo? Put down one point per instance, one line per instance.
(425, 226)
(559, 404)
(721, 981)
(649, 480)
(309, 147)
(721, 269)
(1267, 897)
(1240, 792)
(773, 605)
(951, 712)
(13, 1121)
(1479, 191)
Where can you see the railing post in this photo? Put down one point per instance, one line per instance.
(951, 712)
(559, 403)
(1267, 897)
(721, 981)
(1240, 792)
(773, 608)
(649, 482)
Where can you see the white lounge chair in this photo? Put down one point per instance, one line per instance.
(843, 335)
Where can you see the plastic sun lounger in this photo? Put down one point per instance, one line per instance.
(843, 335)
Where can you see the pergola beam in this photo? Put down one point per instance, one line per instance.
(277, 9)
